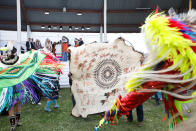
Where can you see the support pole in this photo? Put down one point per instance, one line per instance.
(190, 4)
(28, 32)
(18, 27)
(105, 20)
(101, 34)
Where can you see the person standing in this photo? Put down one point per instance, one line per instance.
(28, 44)
(70, 79)
(14, 109)
(139, 109)
(15, 119)
(48, 45)
(81, 42)
(55, 95)
(33, 45)
(40, 45)
(76, 42)
(54, 48)
(64, 50)
(140, 115)
(37, 45)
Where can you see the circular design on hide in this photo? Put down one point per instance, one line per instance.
(106, 73)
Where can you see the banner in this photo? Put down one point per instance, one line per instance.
(96, 73)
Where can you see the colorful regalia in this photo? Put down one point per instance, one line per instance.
(171, 69)
(25, 78)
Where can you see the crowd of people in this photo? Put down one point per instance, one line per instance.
(31, 44)
(51, 46)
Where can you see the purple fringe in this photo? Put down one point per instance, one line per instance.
(30, 87)
(19, 95)
(24, 94)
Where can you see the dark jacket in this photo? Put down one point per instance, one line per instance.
(81, 43)
(30, 45)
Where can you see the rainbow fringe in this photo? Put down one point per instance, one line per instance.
(111, 116)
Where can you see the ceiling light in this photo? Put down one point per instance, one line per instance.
(79, 14)
(55, 28)
(70, 27)
(42, 27)
(61, 27)
(82, 28)
(76, 28)
(64, 9)
(88, 28)
(46, 13)
(49, 27)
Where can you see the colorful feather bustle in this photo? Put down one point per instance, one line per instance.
(172, 40)
(50, 65)
(171, 69)
(21, 83)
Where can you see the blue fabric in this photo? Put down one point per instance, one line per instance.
(8, 99)
(140, 114)
(159, 96)
(64, 56)
(55, 102)
(156, 98)
(46, 90)
(48, 105)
